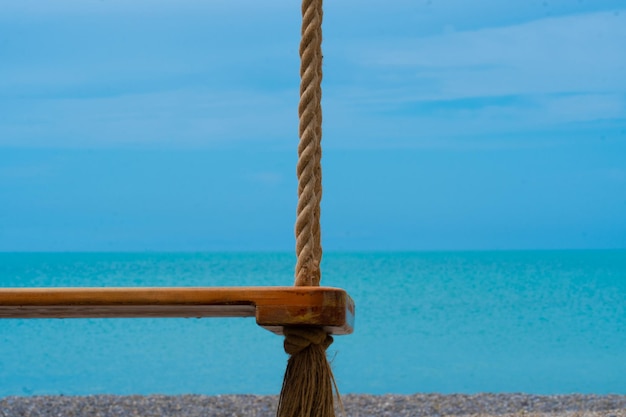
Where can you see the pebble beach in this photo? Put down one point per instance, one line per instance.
(354, 405)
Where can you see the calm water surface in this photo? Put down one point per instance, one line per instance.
(538, 322)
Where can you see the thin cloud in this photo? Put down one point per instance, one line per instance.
(572, 54)
(183, 88)
(547, 75)
(179, 119)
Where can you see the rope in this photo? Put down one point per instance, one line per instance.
(297, 339)
(308, 235)
(309, 385)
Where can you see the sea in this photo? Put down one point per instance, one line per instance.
(543, 322)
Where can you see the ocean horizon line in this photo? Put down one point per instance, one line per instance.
(327, 251)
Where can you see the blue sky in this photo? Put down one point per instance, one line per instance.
(152, 125)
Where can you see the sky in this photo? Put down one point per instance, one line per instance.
(448, 125)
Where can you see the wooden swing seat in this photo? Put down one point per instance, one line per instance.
(273, 307)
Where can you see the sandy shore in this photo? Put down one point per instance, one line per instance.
(355, 405)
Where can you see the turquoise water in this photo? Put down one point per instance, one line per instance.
(539, 322)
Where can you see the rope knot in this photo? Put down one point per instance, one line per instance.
(299, 338)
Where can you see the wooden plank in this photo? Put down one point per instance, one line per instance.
(273, 307)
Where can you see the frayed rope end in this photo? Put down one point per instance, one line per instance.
(309, 385)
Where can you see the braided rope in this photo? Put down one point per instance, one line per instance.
(317, 235)
(308, 236)
(308, 385)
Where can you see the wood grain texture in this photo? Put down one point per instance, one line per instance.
(273, 307)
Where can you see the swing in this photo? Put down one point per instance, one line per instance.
(306, 304)
(274, 307)
(306, 314)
